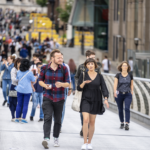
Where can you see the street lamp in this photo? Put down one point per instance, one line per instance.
(136, 42)
(83, 36)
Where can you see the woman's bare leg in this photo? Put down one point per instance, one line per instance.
(91, 127)
(85, 125)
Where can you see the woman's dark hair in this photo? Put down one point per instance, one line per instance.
(120, 66)
(25, 65)
(90, 60)
(18, 60)
(72, 66)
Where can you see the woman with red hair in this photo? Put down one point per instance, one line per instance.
(72, 72)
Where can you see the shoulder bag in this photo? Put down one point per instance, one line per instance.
(13, 93)
(77, 99)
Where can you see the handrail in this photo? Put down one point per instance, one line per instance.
(141, 93)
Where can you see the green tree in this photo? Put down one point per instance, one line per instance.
(42, 3)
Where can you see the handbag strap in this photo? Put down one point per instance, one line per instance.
(83, 76)
(24, 76)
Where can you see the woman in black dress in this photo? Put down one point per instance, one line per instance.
(93, 88)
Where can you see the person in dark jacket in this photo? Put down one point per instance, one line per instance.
(80, 70)
(37, 96)
(24, 52)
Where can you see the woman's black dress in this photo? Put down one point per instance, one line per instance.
(91, 101)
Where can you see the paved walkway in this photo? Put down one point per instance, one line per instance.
(107, 135)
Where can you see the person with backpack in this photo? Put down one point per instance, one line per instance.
(80, 70)
(123, 91)
(106, 65)
(37, 96)
(54, 77)
(24, 52)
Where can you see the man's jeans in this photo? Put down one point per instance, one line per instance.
(6, 82)
(37, 98)
(52, 108)
(64, 107)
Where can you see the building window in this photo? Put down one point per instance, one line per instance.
(101, 24)
(114, 47)
(124, 44)
(117, 47)
(116, 10)
(124, 15)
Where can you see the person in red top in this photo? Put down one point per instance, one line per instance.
(54, 77)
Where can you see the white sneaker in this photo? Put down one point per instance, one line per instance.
(56, 142)
(89, 147)
(13, 120)
(84, 147)
(45, 143)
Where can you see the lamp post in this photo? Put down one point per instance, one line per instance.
(136, 42)
(83, 36)
(52, 3)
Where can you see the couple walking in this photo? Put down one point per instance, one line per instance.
(54, 80)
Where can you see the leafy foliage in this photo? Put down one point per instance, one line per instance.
(65, 13)
(42, 3)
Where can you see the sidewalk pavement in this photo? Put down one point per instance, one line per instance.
(107, 135)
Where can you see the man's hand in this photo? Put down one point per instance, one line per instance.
(47, 87)
(69, 92)
(58, 84)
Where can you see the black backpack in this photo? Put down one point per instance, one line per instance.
(62, 70)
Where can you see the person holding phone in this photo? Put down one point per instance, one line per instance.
(93, 87)
(37, 96)
(123, 91)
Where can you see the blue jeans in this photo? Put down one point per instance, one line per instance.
(127, 98)
(64, 107)
(73, 81)
(37, 98)
(6, 82)
(22, 106)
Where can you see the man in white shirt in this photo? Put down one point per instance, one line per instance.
(131, 64)
(106, 65)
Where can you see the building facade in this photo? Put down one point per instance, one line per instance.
(129, 25)
(129, 33)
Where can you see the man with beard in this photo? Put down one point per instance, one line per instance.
(54, 78)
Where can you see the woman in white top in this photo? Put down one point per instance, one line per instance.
(13, 100)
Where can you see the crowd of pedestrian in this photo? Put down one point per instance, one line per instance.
(36, 71)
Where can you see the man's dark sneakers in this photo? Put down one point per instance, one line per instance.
(40, 120)
(4, 102)
(31, 118)
(81, 133)
(126, 127)
(122, 126)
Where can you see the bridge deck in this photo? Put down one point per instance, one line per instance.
(107, 135)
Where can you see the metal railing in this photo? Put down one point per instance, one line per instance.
(141, 94)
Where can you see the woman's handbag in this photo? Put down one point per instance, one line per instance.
(77, 99)
(12, 93)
